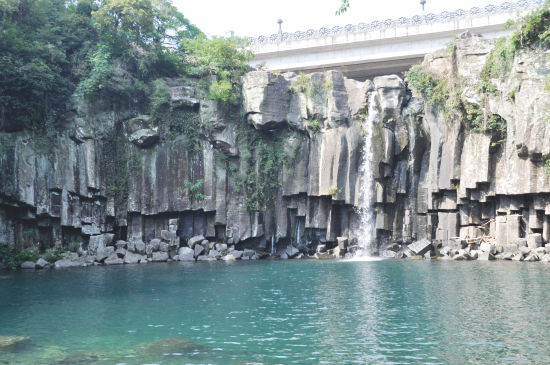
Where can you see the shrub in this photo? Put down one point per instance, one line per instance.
(194, 192)
(100, 75)
(333, 190)
(12, 257)
(314, 125)
(222, 90)
(302, 82)
(160, 96)
(224, 57)
(421, 80)
(547, 167)
(533, 29)
(53, 254)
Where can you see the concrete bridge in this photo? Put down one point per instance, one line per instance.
(370, 49)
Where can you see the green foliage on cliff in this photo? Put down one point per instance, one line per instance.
(194, 192)
(547, 167)
(222, 57)
(261, 157)
(532, 30)
(422, 80)
(160, 96)
(498, 63)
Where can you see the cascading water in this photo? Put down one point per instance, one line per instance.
(366, 235)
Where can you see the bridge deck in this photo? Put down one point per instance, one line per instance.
(366, 50)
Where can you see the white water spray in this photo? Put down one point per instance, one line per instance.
(366, 234)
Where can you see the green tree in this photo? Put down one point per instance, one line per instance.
(224, 57)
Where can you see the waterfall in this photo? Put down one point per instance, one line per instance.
(367, 235)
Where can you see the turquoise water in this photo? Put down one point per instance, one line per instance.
(280, 312)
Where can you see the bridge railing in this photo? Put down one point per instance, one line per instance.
(430, 18)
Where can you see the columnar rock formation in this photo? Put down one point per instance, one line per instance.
(284, 166)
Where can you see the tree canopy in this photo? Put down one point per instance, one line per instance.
(50, 48)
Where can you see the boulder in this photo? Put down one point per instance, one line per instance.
(206, 258)
(420, 247)
(445, 251)
(534, 240)
(104, 253)
(163, 247)
(133, 258)
(485, 256)
(229, 257)
(198, 250)
(121, 252)
(214, 253)
(321, 248)
(155, 243)
(97, 243)
(338, 252)
(194, 240)
(167, 235)
(462, 255)
(28, 265)
(342, 243)
(42, 264)
(283, 256)
(488, 247)
(248, 253)
(511, 248)
(113, 260)
(221, 247)
(524, 250)
(131, 246)
(531, 257)
(291, 251)
(173, 224)
(139, 247)
(160, 256)
(120, 244)
(186, 254)
(237, 254)
(387, 254)
(518, 257)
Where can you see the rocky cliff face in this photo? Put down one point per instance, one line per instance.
(284, 167)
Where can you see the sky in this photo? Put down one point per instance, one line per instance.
(259, 17)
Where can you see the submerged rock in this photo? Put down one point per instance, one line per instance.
(173, 345)
(8, 342)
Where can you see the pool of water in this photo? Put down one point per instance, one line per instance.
(280, 312)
